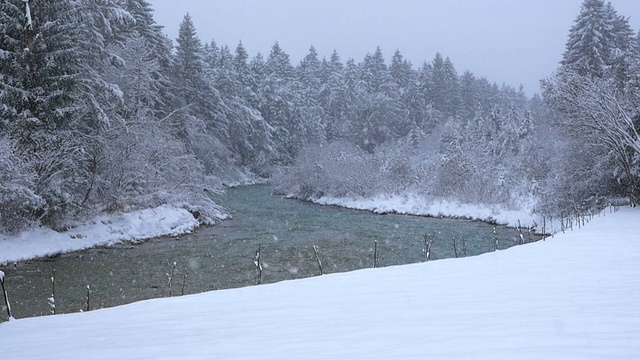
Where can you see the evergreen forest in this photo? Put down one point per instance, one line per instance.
(101, 112)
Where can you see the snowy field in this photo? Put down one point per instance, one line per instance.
(104, 230)
(574, 296)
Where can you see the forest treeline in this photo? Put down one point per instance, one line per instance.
(99, 111)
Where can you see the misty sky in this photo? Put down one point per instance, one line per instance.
(511, 41)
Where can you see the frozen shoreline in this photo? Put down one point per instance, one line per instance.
(167, 220)
(414, 205)
(104, 230)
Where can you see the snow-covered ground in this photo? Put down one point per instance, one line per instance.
(574, 296)
(104, 230)
(416, 205)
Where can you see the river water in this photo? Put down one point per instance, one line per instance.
(222, 256)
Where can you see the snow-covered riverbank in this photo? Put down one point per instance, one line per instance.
(173, 221)
(104, 230)
(574, 296)
(416, 205)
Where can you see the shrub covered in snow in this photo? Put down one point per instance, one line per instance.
(18, 201)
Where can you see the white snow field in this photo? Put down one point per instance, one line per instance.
(574, 296)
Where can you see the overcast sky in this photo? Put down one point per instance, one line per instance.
(511, 41)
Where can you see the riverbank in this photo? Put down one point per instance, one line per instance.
(409, 204)
(107, 230)
(571, 296)
(166, 220)
(103, 230)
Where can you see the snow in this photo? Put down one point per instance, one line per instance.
(164, 220)
(1, 275)
(416, 205)
(28, 14)
(574, 296)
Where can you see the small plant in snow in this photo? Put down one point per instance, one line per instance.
(375, 254)
(52, 299)
(464, 247)
(172, 271)
(520, 233)
(315, 250)
(6, 297)
(256, 262)
(88, 298)
(184, 281)
(427, 247)
(455, 247)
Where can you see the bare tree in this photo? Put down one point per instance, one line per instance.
(596, 110)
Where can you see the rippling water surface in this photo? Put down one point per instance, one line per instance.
(222, 256)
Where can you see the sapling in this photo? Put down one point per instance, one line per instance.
(52, 299)
(375, 254)
(184, 281)
(256, 262)
(172, 270)
(88, 297)
(578, 219)
(495, 239)
(315, 250)
(520, 233)
(464, 247)
(6, 297)
(427, 247)
(455, 247)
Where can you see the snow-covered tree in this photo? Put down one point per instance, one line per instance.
(310, 112)
(204, 124)
(590, 39)
(600, 42)
(277, 104)
(595, 97)
(445, 87)
(596, 112)
(18, 201)
(38, 73)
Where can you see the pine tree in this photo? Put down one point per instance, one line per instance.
(444, 88)
(39, 73)
(400, 70)
(205, 122)
(591, 38)
(190, 62)
(625, 53)
(310, 113)
(469, 97)
(277, 103)
(376, 74)
(159, 50)
(594, 93)
(333, 97)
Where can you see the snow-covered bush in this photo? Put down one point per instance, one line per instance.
(336, 169)
(18, 202)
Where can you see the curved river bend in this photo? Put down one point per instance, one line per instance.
(222, 256)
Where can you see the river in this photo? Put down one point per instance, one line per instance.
(222, 256)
